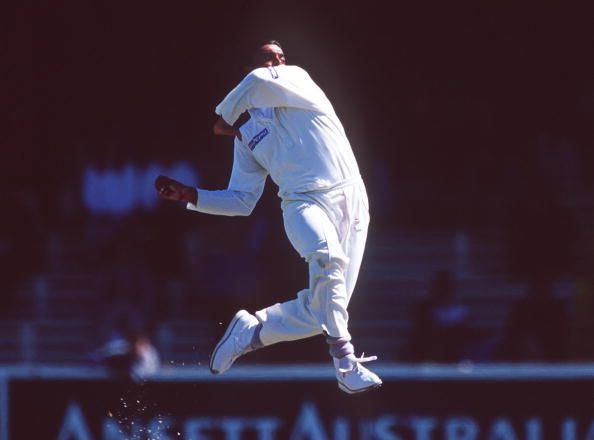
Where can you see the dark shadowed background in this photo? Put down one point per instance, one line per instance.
(472, 123)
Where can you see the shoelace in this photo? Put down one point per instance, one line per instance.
(356, 362)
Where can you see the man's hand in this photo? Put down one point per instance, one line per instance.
(221, 127)
(173, 190)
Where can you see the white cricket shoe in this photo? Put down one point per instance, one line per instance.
(353, 377)
(235, 342)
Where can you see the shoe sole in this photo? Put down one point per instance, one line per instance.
(362, 390)
(228, 332)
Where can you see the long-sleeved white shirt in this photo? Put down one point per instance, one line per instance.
(293, 135)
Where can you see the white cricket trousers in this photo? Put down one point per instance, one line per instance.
(329, 230)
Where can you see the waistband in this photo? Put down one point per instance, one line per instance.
(354, 180)
(339, 185)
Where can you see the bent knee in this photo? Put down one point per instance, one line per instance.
(324, 260)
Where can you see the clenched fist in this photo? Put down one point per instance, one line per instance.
(173, 190)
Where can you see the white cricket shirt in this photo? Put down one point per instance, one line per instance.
(293, 135)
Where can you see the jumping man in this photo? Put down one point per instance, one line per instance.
(294, 136)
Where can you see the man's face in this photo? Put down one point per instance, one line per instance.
(268, 55)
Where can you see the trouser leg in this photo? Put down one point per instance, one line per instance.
(322, 306)
(334, 251)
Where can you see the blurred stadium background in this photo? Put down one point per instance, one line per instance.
(473, 126)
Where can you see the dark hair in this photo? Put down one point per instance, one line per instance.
(275, 42)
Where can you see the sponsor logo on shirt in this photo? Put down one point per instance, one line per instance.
(256, 139)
